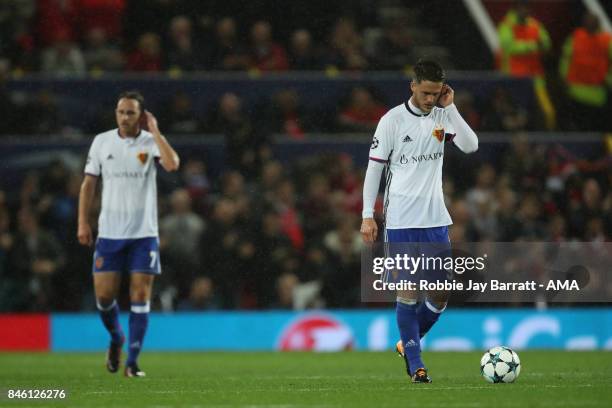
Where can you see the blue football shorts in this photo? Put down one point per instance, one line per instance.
(431, 245)
(131, 255)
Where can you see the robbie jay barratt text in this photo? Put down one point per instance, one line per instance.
(493, 285)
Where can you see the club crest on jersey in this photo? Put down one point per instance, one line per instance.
(438, 133)
(99, 262)
(144, 156)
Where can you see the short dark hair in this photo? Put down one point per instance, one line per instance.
(426, 70)
(135, 95)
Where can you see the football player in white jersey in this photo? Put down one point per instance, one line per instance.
(125, 159)
(409, 143)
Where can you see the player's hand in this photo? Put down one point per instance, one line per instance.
(369, 230)
(84, 235)
(447, 96)
(151, 121)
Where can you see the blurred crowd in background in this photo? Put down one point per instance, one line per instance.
(284, 236)
(74, 37)
(77, 37)
(268, 234)
(89, 38)
(283, 113)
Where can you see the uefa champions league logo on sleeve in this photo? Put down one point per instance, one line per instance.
(374, 143)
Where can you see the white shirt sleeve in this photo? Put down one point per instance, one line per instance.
(464, 136)
(371, 184)
(93, 166)
(380, 151)
(382, 142)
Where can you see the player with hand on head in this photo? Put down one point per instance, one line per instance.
(409, 144)
(125, 158)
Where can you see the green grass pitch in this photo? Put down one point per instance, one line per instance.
(286, 380)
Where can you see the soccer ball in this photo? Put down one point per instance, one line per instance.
(500, 365)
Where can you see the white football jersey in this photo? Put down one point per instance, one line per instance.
(412, 146)
(129, 189)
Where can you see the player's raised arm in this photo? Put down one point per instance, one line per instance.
(465, 138)
(86, 197)
(169, 159)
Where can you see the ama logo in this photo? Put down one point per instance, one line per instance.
(316, 332)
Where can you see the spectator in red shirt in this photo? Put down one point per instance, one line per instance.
(56, 18)
(266, 54)
(285, 115)
(362, 113)
(148, 55)
(284, 202)
(102, 14)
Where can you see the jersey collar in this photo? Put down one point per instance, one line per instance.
(128, 138)
(413, 109)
